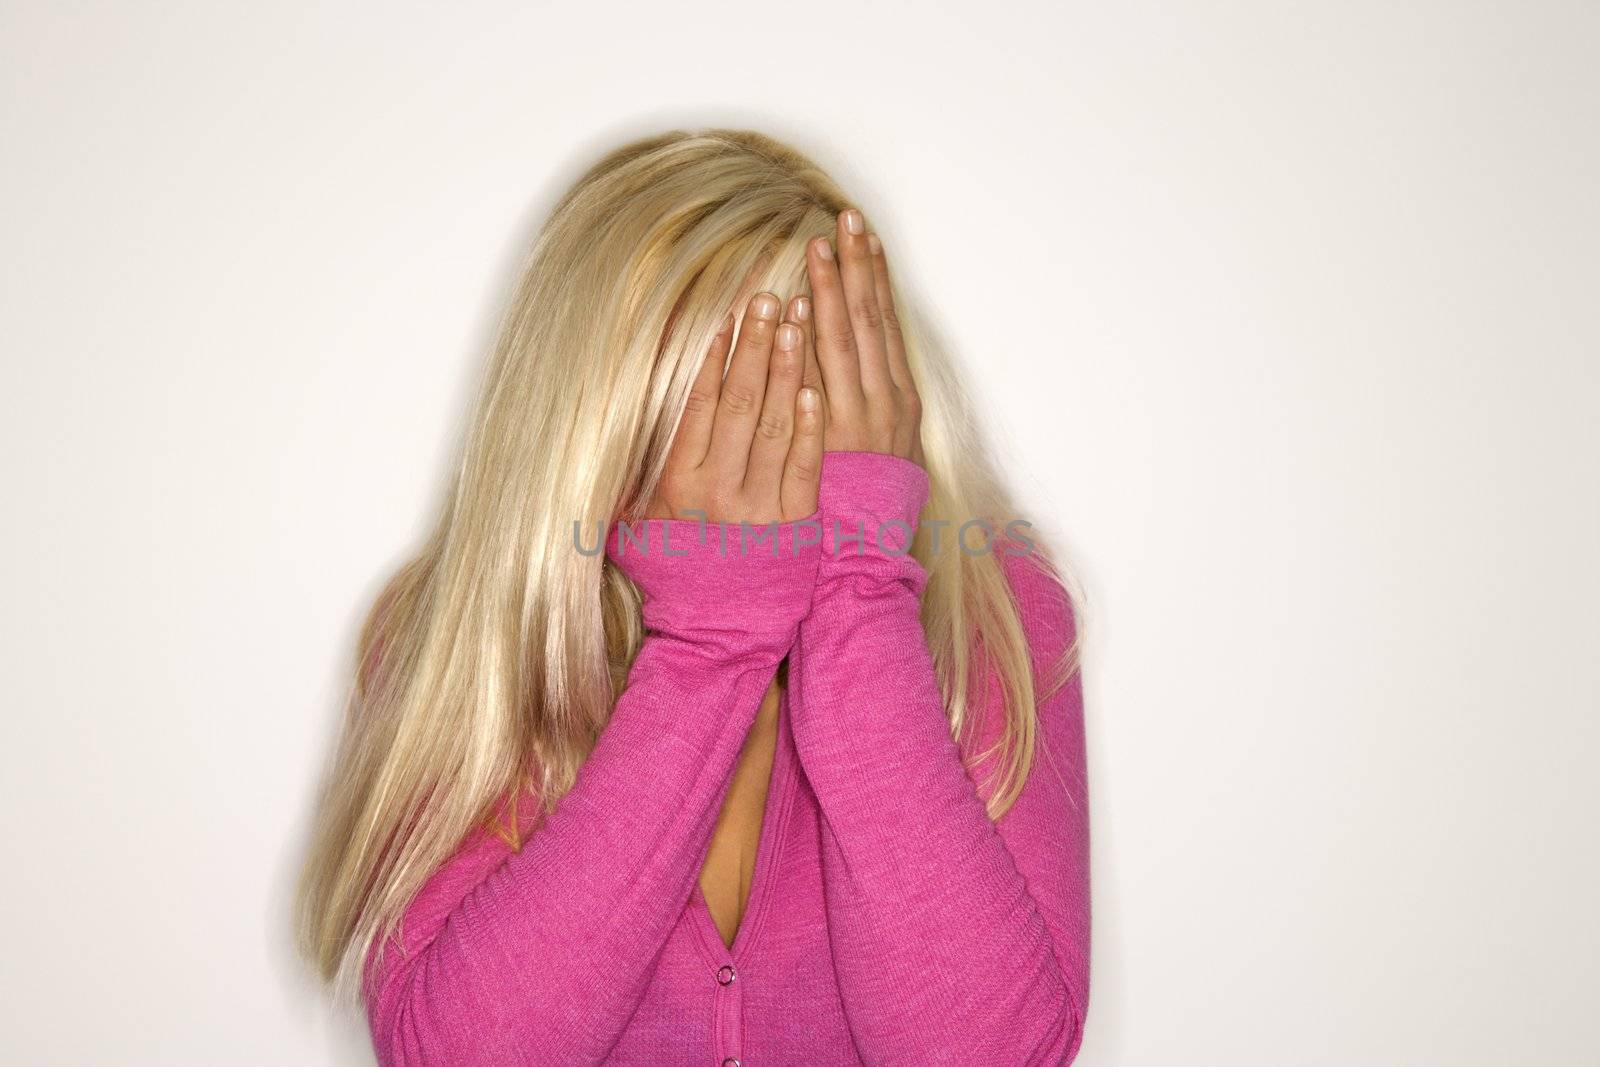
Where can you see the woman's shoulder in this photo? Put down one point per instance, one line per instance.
(1039, 589)
(1048, 619)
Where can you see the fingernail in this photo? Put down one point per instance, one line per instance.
(854, 223)
(727, 322)
(808, 399)
(765, 305)
(824, 249)
(802, 308)
(874, 244)
(788, 335)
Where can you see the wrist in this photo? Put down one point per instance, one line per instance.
(741, 577)
(869, 504)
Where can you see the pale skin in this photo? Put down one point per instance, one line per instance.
(749, 448)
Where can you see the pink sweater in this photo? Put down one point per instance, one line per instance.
(889, 920)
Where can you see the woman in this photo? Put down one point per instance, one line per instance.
(755, 784)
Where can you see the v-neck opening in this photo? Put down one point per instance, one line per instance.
(774, 814)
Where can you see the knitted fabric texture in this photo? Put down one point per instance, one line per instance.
(890, 920)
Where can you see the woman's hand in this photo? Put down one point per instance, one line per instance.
(871, 402)
(749, 448)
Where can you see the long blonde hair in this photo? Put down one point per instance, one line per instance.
(491, 661)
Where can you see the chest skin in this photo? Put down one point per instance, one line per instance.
(730, 861)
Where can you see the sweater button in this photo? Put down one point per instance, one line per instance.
(730, 1062)
(725, 976)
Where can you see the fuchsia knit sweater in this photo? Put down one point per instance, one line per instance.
(890, 920)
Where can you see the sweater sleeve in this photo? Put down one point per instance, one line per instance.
(541, 956)
(956, 938)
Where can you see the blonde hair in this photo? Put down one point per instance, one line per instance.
(491, 661)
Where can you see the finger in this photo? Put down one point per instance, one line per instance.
(811, 375)
(835, 340)
(861, 300)
(699, 412)
(764, 475)
(800, 314)
(899, 366)
(802, 472)
(908, 405)
(739, 404)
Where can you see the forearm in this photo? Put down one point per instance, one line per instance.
(940, 947)
(546, 958)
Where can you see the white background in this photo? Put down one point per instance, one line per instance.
(1283, 314)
